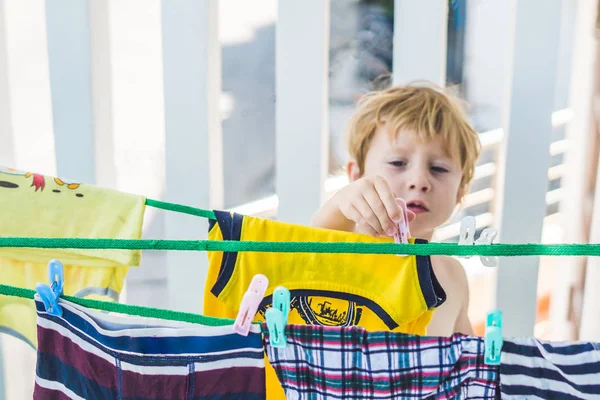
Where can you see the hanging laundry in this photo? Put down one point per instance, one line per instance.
(34, 205)
(18, 316)
(536, 369)
(377, 292)
(352, 363)
(85, 354)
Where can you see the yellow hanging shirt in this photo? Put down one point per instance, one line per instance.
(377, 292)
(34, 205)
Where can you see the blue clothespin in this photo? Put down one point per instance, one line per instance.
(50, 294)
(493, 337)
(277, 316)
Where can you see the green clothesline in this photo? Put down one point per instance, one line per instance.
(124, 308)
(448, 249)
(180, 208)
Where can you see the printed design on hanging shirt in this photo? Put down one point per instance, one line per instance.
(38, 181)
(324, 311)
(327, 311)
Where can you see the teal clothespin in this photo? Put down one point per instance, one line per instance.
(493, 337)
(277, 317)
(281, 301)
(50, 294)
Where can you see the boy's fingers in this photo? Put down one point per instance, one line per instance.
(381, 213)
(368, 215)
(394, 212)
(352, 213)
(370, 231)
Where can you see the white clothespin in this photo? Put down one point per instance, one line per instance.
(467, 237)
(467, 232)
(250, 303)
(487, 236)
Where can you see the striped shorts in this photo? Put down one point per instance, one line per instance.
(352, 363)
(535, 369)
(86, 354)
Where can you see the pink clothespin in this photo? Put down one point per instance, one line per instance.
(249, 305)
(403, 229)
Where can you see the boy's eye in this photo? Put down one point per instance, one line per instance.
(439, 169)
(397, 163)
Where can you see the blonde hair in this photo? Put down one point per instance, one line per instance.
(422, 108)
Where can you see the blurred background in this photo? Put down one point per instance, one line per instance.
(241, 105)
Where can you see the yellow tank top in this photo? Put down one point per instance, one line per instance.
(377, 292)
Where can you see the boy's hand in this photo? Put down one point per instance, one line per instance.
(371, 203)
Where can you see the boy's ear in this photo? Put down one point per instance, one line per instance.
(352, 170)
(462, 191)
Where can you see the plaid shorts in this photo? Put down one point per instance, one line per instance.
(352, 363)
(86, 354)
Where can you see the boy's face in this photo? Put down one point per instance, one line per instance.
(420, 172)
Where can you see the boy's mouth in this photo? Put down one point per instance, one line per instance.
(418, 207)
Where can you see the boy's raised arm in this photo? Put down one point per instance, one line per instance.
(463, 324)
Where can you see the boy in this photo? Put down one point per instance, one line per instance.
(411, 142)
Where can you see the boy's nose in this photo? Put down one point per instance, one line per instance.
(421, 185)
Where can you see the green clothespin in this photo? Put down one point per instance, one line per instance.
(277, 317)
(281, 301)
(493, 337)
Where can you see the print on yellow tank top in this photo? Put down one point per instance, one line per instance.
(377, 292)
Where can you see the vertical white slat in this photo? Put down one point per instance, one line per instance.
(27, 134)
(564, 74)
(581, 96)
(525, 158)
(29, 89)
(194, 168)
(590, 322)
(573, 181)
(420, 41)
(7, 156)
(301, 84)
(101, 57)
(129, 113)
(487, 72)
(68, 34)
(4, 362)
